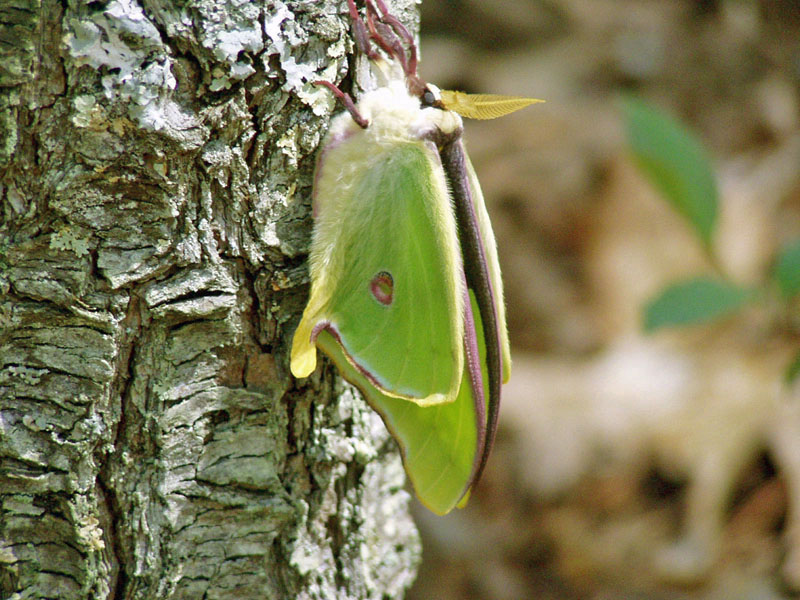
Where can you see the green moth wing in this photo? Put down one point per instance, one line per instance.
(443, 446)
(384, 270)
(439, 444)
(490, 250)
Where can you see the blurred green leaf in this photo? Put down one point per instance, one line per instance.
(793, 370)
(787, 269)
(675, 163)
(694, 301)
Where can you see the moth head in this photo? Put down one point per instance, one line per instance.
(431, 96)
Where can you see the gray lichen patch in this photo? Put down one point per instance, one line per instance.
(124, 44)
(71, 239)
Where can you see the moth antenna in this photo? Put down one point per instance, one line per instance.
(347, 100)
(360, 32)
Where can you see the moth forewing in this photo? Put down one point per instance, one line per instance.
(384, 213)
(479, 281)
(492, 261)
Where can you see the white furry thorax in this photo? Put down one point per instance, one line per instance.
(395, 115)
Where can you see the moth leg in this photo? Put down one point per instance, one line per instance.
(347, 100)
(384, 34)
(402, 31)
(389, 33)
(360, 32)
(385, 37)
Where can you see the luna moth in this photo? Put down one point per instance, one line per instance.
(406, 296)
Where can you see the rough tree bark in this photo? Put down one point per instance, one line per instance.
(155, 173)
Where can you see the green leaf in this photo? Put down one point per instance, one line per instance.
(793, 370)
(694, 301)
(787, 269)
(675, 162)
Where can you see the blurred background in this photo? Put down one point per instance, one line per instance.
(661, 465)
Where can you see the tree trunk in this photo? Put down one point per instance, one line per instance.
(155, 174)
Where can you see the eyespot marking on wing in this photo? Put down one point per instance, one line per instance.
(382, 288)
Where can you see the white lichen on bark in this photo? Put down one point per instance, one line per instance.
(155, 172)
